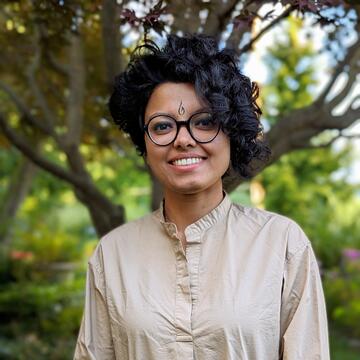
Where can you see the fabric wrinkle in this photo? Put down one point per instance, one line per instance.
(247, 286)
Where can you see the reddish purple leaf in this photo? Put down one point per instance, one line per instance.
(244, 20)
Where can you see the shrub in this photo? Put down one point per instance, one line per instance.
(44, 316)
(342, 291)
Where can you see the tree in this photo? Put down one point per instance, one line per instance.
(60, 57)
(302, 184)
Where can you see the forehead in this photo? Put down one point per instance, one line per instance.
(167, 97)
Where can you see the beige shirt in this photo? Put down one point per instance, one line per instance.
(247, 287)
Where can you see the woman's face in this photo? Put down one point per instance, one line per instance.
(211, 159)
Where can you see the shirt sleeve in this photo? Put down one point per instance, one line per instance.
(95, 341)
(303, 313)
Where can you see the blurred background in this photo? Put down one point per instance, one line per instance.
(68, 176)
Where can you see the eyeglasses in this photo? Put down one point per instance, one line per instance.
(163, 129)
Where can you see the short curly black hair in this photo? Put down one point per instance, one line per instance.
(196, 59)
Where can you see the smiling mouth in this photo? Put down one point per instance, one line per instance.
(187, 161)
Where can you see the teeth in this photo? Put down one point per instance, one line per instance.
(187, 161)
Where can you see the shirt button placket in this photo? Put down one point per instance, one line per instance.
(183, 309)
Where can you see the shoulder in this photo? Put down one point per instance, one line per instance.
(275, 228)
(259, 219)
(126, 230)
(127, 237)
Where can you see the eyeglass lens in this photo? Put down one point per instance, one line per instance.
(162, 129)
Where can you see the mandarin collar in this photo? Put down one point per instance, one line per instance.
(199, 226)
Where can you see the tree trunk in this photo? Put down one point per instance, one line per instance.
(19, 186)
(105, 216)
(156, 192)
(111, 39)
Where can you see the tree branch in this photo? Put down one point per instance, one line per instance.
(75, 100)
(354, 70)
(55, 64)
(355, 100)
(41, 101)
(330, 142)
(342, 121)
(191, 23)
(60, 68)
(236, 36)
(27, 116)
(225, 16)
(75, 180)
(285, 14)
(295, 131)
(352, 53)
(111, 39)
(18, 188)
(28, 151)
(217, 21)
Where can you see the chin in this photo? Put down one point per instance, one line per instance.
(191, 188)
(188, 190)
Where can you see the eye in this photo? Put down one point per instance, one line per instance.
(161, 125)
(204, 122)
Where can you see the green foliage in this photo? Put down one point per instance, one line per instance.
(42, 292)
(342, 290)
(241, 195)
(8, 160)
(50, 262)
(41, 299)
(49, 245)
(291, 73)
(45, 316)
(306, 185)
(340, 347)
(122, 176)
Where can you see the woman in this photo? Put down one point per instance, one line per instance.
(201, 278)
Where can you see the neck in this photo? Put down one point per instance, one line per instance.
(185, 209)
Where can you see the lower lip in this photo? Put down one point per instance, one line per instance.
(186, 168)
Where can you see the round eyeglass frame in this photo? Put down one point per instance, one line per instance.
(178, 123)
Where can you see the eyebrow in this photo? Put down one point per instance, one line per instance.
(203, 109)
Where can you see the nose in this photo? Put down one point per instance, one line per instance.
(184, 139)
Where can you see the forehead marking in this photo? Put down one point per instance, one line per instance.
(181, 109)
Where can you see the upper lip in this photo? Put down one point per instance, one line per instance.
(186, 156)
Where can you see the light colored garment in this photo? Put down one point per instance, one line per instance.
(247, 287)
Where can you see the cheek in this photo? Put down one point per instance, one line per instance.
(225, 151)
(228, 155)
(148, 151)
(226, 160)
(153, 156)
